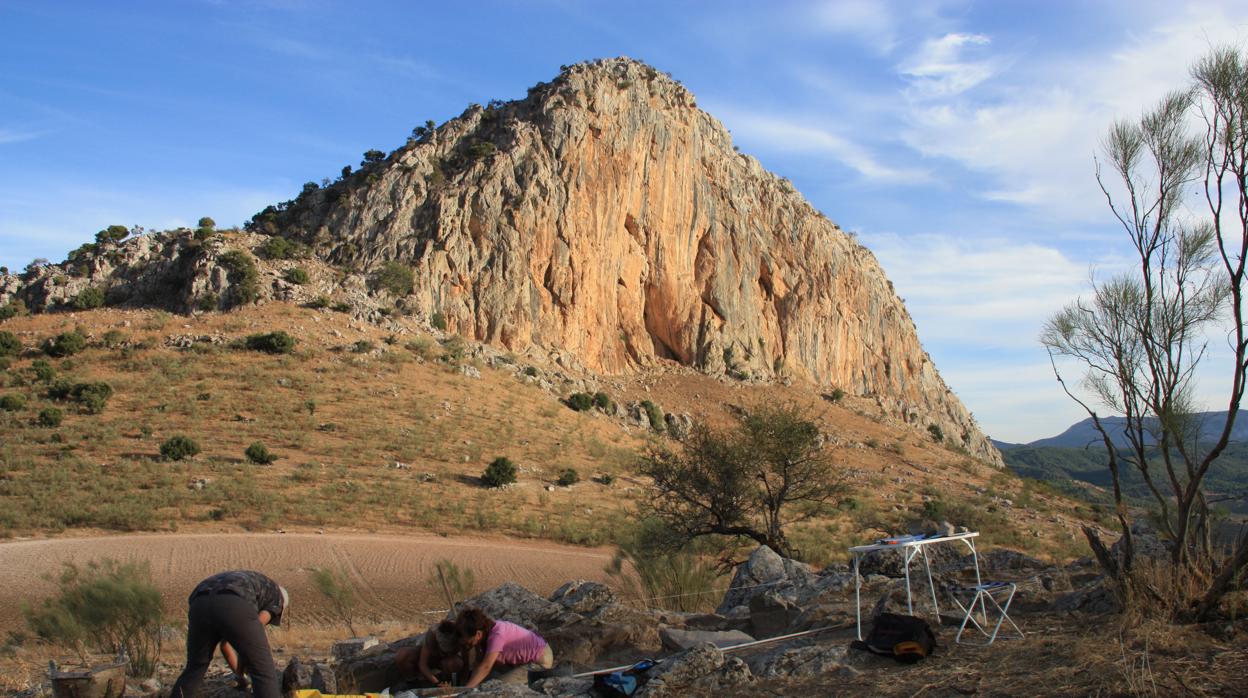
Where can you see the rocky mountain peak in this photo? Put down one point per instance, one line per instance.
(606, 216)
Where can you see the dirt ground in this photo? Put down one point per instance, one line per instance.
(389, 572)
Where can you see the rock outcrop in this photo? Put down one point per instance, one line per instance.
(606, 216)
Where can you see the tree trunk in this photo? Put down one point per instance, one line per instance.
(1231, 570)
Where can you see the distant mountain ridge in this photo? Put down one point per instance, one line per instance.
(1082, 434)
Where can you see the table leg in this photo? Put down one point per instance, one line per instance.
(930, 584)
(983, 607)
(858, 596)
(906, 557)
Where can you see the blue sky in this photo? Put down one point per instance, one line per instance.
(956, 138)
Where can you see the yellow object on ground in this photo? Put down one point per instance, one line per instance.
(313, 693)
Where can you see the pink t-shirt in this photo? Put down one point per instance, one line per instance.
(514, 644)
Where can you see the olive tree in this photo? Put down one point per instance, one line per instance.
(1142, 334)
(753, 481)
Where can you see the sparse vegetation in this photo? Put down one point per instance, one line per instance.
(178, 448)
(65, 344)
(243, 276)
(447, 578)
(271, 342)
(89, 298)
(275, 248)
(499, 473)
(438, 320)
(296, 275)
(50, 417)
(107, 606)
(12, 402)
(654, 415)
(581, 402)
(338, 590)
(10, 345)
(937, 434)
(568, 477)
(259, 454)
(395, 277)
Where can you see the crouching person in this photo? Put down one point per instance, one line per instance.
(230, 609)
(441, 659)
(510, 650)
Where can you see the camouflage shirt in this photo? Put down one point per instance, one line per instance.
(252, 586)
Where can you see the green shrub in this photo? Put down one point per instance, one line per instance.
(207, 227)
(7, 311)
(258, 454)
(113, 233)
(110, 606)
(50, 417)
(395, 277)
(12, 402)
(581, 402)
(244, 278)
(606, 479)
(449, 578)
(208, 302)
(342, 307)
(43, 370)
(4, 363)
(271, 342)
(602, 401)
(937, 434)
(10, 345)
(482, 149)
(114, 338)
(65, 344)
(91, 396)
(339, 591)
(319, 302)
(178, 448)
(568, 477)
(836, 395)
(363, 346)
(438, 320)
(281, 248)
(207, 222)
(654, 414)
(296, 275)
(530, 371)
(499, 473)
(90, 297)
(455, 348)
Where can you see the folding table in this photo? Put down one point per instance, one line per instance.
(910, 547)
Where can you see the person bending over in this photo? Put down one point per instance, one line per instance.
(230, 609)
(441, 659)
(509, 648)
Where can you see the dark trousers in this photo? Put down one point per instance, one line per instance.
(213, 618)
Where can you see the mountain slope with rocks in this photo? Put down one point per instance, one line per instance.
(604, 216)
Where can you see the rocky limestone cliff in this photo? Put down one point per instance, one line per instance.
(604, 216)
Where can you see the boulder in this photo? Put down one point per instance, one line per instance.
(372, 670)
(1095, 598)
(704, 668)
(1000, 560)
(676, 640)
(583, 597)
(565, 686)
(346, 649)
(812, 660)
(512, 602)
(765, 571)
(771, 615)
(890, 563)
(499, 689)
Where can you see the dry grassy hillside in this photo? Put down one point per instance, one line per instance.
(385, 429)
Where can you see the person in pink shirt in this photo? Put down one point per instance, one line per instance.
(509, 648)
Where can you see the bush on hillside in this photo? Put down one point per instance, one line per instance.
(653, 414)
(296, 275)
(178, 448)
(568, 477)
(438, 320)
(581, 402)
(43, 370)
(10, 345)
(281, 248)
(395, 277)
(8, 310)
(258, 454)
(602, 401)
(65, 344)
(12, 402)
(270, 342)
(499, 473)
(112, 234)
(937, 434)
(50, 417)
(109, 606)
(114, 338)
(91, 396)
(244, 278)
(90, 297)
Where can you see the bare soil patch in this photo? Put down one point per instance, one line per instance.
(388, 571)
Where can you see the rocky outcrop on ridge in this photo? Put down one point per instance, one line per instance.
(606, 216)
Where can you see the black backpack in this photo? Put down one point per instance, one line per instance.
(904, 638)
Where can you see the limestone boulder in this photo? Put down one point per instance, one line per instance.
(704, 669)
(677, 640)
(767, 572)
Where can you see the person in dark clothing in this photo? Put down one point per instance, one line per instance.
(231, 609)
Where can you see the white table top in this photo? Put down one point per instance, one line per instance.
(912, 543)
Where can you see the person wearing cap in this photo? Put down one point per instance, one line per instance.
(441, 658)
(230, 609)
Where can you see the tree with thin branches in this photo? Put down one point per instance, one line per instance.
(1142, 335)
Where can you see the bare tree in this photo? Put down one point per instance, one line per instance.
(769, 473)
(1141, 336)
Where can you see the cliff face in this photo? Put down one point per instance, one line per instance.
(604, 216)
(607, 216)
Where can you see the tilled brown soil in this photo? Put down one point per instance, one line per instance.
(389, 572)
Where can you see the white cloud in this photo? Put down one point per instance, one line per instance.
(792, 136)
(1034, 127)
(870, 21)
(939, 69)
(13, 136)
